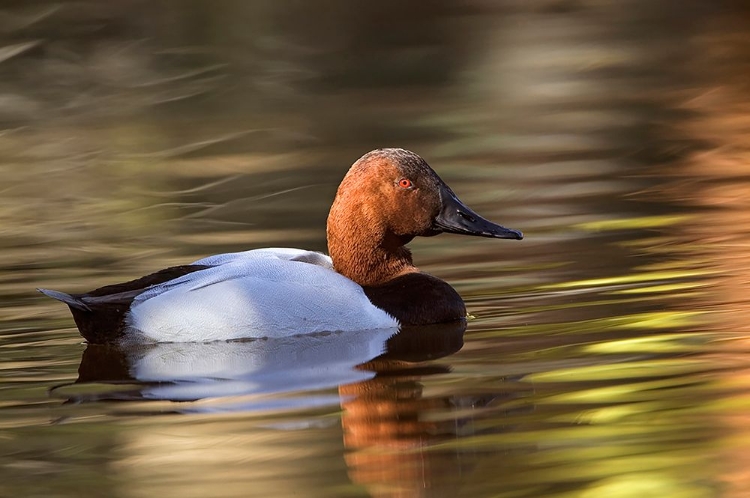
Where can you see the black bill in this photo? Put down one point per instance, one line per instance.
(456, 217)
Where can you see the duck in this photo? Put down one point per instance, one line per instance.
(368, 280)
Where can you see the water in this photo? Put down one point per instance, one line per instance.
(607, 354)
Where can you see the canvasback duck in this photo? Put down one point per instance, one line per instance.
(369, 281)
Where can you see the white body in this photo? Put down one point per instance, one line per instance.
(255, 294)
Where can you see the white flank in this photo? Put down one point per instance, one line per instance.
(261, 293)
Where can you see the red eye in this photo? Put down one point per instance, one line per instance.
(404, 183)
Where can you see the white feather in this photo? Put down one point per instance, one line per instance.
(260, 293)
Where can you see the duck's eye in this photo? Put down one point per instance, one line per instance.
(405, 183)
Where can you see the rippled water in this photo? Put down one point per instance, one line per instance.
(607, 353)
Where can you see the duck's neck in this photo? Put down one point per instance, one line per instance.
(363, 250)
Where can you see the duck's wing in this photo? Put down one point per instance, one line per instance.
(99, 314)
(231, 266)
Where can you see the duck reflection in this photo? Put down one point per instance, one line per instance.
(235, 375)
(390, 420)
(195, 371)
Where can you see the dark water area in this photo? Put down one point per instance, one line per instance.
(606, 354)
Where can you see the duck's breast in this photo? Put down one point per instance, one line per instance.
(263, 293)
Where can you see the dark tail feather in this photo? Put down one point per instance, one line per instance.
(100, 325)
(100, 314)
(73, 302)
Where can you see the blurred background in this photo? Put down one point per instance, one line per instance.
(608, 354)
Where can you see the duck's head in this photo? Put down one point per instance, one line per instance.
(395, 193)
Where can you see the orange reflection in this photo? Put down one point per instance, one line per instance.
(713, 182)
(389, 423)
(387, 437)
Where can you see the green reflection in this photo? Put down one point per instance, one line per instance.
(635, 223)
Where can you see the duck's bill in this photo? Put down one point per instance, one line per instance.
(456, 217)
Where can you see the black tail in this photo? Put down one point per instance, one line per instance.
(97, 324)
(100, 314)
(72, 301)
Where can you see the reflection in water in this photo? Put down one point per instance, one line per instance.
(389, 423)
(378, 380)
(386, 420)
(608, 355)
(229, 372)
(712, 183)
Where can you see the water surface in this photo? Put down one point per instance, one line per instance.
(607, 351)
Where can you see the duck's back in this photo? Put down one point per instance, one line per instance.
(262, 293)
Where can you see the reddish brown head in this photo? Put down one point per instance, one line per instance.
(388, 197)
